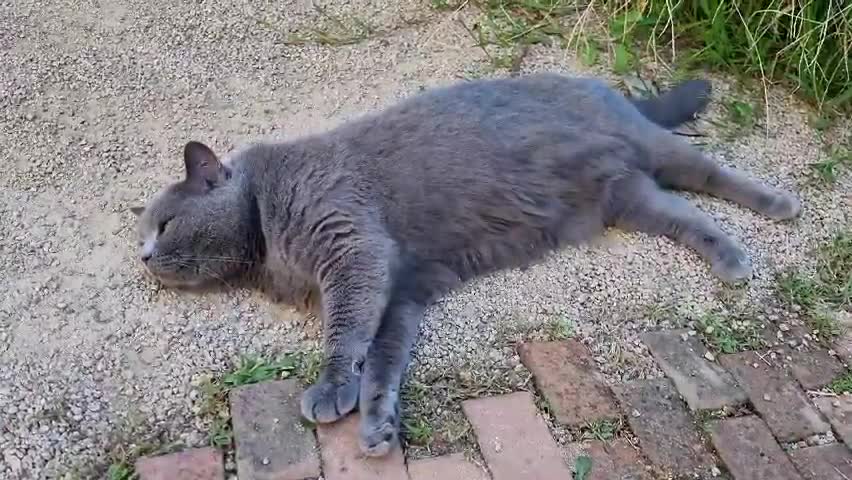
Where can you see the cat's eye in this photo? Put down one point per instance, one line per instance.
(162, 226)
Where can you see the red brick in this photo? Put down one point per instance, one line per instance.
(815, 370)
(568, 379)
(824, 462)
(272, 443)
(749, 451)
(703, 384)
(838, 411)
(514, 439)
(615, 460)
(447, 467)
(342, 458)
(776, 396)
(665, 429)
(194, 464)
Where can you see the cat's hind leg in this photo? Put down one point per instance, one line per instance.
(390, 352)
(355, 287)
(678, 165)
(379, 402)
(639, 204)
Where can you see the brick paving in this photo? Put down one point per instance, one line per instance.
(704, 385)
(567, 377)
(514, 439)
(815, 370)
(666, 433)
(612, 460)
(750, 452)
(823, 462)
(193, 464)
(271, 441)
(447, 467)
(342, 458)
(838, 411)
(664, 426)
(776, 396)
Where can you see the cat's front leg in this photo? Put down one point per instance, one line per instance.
(355, 290)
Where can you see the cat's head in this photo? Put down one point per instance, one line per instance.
(201, 231)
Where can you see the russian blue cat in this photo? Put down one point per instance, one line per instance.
(368, 223)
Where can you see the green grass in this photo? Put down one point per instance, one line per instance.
(248, 370)
(828, 169)
(827, 290)
(221, 435)
(123, 459)
(432, 420)
(121, 471)
(841, 384)
(334, 31)
(705, 418)
(730, 333)
(560, 327)
(806, 42)
(742, 114)
(603, 430)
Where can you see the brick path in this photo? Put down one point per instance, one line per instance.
(667, 436)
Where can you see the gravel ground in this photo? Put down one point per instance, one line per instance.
(98, 98)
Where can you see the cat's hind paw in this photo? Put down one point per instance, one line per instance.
(733, 267)
(325, 402)
(378, 438)
(785, 206)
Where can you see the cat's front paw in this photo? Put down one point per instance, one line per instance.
(326, 401)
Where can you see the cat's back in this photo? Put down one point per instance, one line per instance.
(496, 112)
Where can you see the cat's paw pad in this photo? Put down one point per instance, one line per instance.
(733, 266)
(326, 402)
(378, 437)
(784, 206)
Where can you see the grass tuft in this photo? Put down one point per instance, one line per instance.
(334, 31)
(827, 170)
(807, 42)
(123, 458)
(841, 384)
(827, 291)
(432, 418)
(560, 327)
(249, 370)
(602, 430)
(730, 334)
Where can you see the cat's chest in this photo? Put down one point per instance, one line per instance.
(285, 283)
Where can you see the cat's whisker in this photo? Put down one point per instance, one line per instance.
(219, 259)
(205, 271)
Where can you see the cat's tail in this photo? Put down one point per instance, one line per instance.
(678, 105)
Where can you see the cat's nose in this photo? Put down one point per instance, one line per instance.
(145, 256)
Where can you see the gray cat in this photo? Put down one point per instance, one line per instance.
(370, 222)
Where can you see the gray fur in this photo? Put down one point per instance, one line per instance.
(370, 222)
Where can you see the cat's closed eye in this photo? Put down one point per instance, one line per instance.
(162, 226)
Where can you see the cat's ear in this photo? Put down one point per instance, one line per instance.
(202, 166)
(137, 210)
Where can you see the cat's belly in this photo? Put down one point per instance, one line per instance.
(485, 251)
